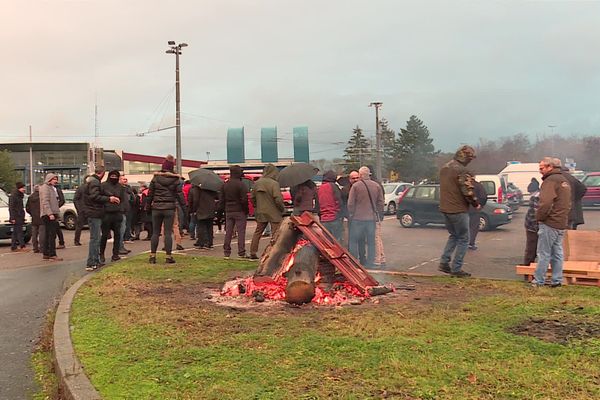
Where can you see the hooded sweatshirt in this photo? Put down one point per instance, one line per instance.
(267, 198)
(234, 193)
(48, 198)
(457, 190)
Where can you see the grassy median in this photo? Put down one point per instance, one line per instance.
(153, 332)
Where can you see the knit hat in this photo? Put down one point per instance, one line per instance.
(20, 185)
(168, 165)
(114, 172)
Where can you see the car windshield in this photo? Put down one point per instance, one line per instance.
(592, 180)
(69, 196)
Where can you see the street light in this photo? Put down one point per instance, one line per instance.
(176, 49)
(377, 104)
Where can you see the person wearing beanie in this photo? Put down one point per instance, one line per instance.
(169, 164)
(17, 217)
(111, 221)
(49, 210)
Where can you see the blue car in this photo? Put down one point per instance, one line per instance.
(421, 205)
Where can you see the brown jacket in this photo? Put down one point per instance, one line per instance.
(360, 207)
(555, 200)
(457, 190)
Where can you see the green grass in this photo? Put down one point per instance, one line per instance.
(43, 364)
(138, 340)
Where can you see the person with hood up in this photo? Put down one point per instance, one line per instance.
(331, 205)
(305, 198)
(17, 217)
(49, 211)
(163, 194)
(37, 228)
(534, 186)
(203, 206)
(457, 192)
(234, 203)
(113, 215)
(268, 205)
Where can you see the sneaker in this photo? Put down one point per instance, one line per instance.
(169, 260)
(535, 285)
(53, 258)
(226, 257)
(472, 247)
(128, 241)
(445, 268)
(90, 268)
(152, 260)
(77, 243)
(460, 274)
(555, 285)
(115, 258)
(60, 246)
(124, 252)
(253, 257)
(179, 247)
(36, 250)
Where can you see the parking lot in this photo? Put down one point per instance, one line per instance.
(413, 250)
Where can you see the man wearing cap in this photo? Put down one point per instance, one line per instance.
(17, 217)
(456, 194)
(94, 201)
(113, 215)
(49, 211)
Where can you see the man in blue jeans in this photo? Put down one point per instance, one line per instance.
(456, 194)
(553, 217)
(94, 201)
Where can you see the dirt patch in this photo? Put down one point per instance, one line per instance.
(561, 329)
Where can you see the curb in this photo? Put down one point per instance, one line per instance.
(72, 378)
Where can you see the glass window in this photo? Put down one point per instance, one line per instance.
(389, 188)
(410, 193)
(425, 193)
(490, 187)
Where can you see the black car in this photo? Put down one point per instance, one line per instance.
(420, 205)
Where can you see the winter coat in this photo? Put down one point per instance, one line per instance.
(15, 207)
(33, 207)
(93, 198)
(365, 202)
(305, 198)
(267, 198)
(531, 223)
(127, 202)
(330, 200)
(165, 191)
(78, 199)
(456, 186)
(578, 190)
(234, 194)
(48, 198)
(555, 200)
(480, 194)
(202, 202)
(110, 189)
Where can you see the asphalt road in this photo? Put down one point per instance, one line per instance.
(30, 286)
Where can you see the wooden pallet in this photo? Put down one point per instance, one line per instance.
(574, 272)
(582, 245)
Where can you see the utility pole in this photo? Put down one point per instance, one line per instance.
(176, 49)
(377, 105)
(552, 137)
(30, 161)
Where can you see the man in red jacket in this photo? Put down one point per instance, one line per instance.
(330, 204)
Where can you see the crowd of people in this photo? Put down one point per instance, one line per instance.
(350, 208)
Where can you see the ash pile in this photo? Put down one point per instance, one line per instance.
(305, 264)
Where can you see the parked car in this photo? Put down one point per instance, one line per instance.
(592, 196)
(68, 212)
(391, 194)
(495, 186)
(6, 228)
(420, 205)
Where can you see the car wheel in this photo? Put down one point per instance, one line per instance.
(407, 220)
(391, 208)
(484, 224)
(70, 221)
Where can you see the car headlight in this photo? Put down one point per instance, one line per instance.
(499, 211)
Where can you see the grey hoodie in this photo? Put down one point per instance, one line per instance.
(48, 197)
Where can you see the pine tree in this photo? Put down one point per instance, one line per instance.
(414, 152)
(357, 152)
(388, 144)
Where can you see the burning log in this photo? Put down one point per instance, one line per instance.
(300, 287)
(281, 245)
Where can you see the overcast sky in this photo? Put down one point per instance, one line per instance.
(469, 70)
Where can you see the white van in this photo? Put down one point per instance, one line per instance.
(521, 174)
(495, 187)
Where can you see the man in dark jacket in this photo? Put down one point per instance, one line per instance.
(203, 206)
(113, 215)
(59, 232)
(234, 202)
(553, 217)
(94, 201)
(81, 216)
(475, 214)
(17, 217)
(163, 195)
(37, 228)
(125, 231)
(457, 192)
(578, 190)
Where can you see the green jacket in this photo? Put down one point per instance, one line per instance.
(267, 198)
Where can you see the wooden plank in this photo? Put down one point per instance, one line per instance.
(576, 266)
(572, 279)
(582, 245)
